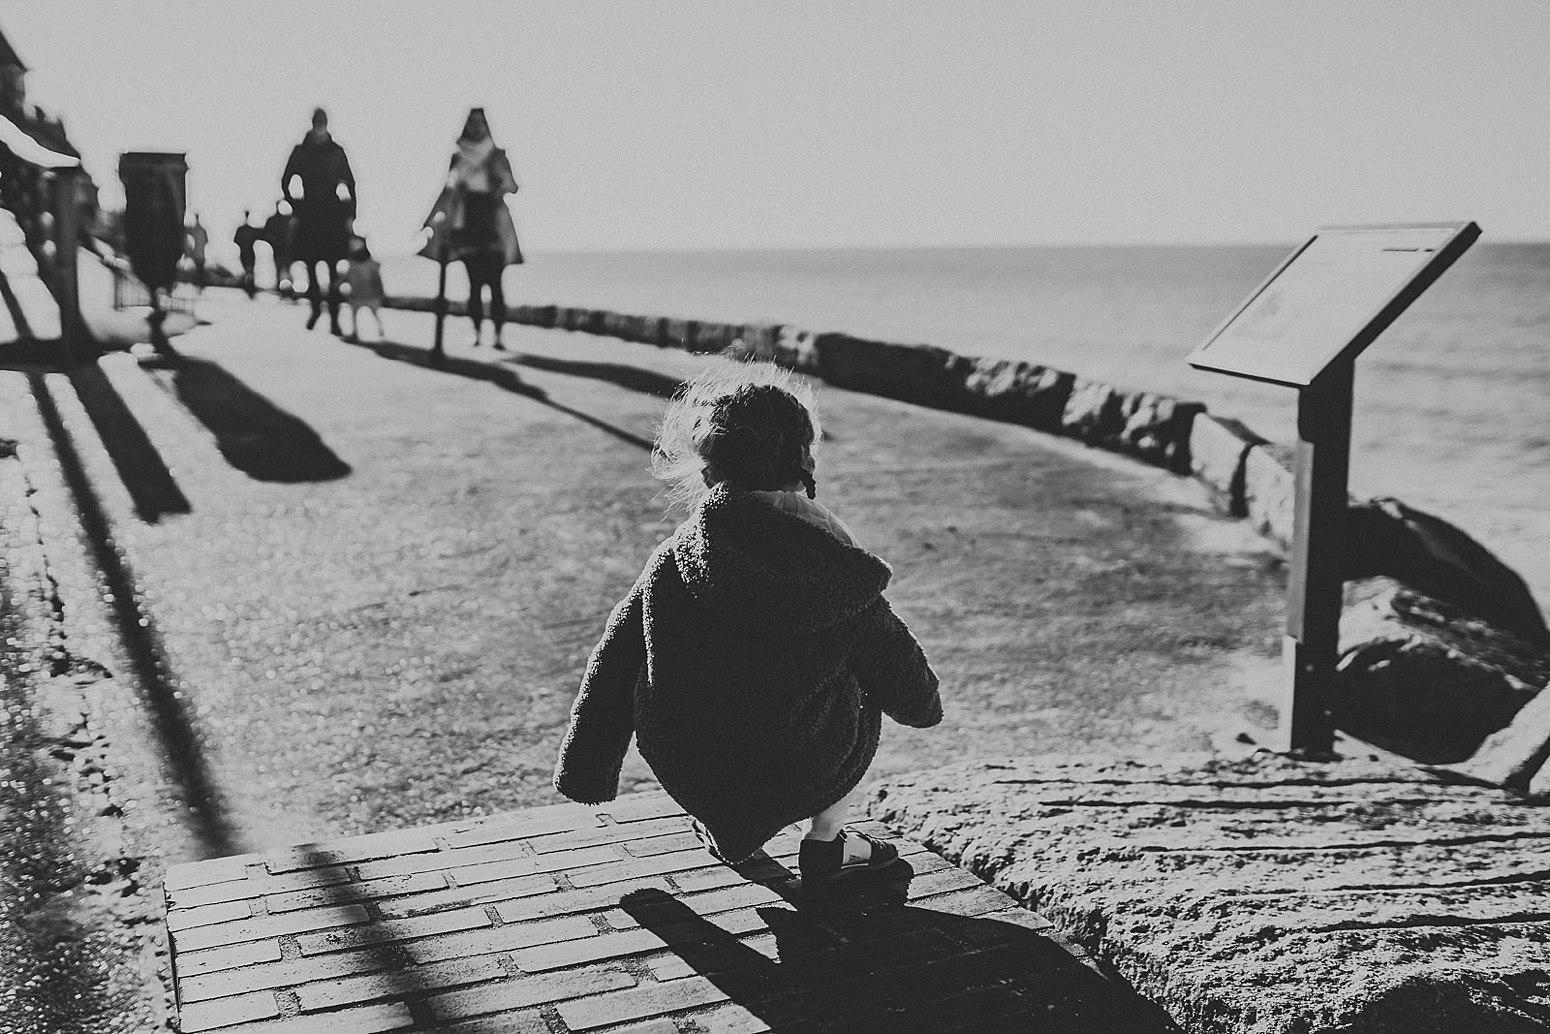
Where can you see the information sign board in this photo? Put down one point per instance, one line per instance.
(1330, 299)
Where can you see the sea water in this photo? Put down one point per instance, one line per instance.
(1452, 402)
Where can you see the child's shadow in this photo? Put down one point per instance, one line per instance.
(856, 957)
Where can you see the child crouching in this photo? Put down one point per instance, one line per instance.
(755, 655)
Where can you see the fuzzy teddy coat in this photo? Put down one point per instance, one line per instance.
(752, 661)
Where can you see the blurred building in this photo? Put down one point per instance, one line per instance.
(32, 141)
(39, 171)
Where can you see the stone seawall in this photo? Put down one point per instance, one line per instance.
(1438, 566)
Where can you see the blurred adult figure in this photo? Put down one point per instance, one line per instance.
(246, 239)
(320, 187)
(196, 241)
(278, 232)
(471, 223)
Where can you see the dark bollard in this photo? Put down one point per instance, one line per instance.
(154, 200)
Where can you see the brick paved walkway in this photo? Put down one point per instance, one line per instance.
(567, 918)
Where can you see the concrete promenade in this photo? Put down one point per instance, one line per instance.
(304, 591)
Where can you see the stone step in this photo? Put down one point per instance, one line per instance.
(567, 918)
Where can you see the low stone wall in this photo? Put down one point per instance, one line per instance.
(1250, 477)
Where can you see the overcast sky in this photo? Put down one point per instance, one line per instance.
(640, 125)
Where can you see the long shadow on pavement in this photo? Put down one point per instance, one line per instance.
(500, 376)
(253, 434)
(140, 466)
(153, 674)
(857, 957)
(631, 377)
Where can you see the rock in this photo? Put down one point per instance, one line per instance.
(651, 330)
(540, 315)
(1265, 895)
(1420, 677)
(1514, 756)
(911, 373)
(794, 348)
(1148, 426)
(1218, 450)
(616, 324)
(1017, 392)
(1270, 494)
(1386, 537)
(679, 333)
(708, 337)
(761, 340)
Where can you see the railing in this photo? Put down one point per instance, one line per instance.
(130, 293)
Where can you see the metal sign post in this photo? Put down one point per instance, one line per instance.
(1303, 328)
(1316, 582)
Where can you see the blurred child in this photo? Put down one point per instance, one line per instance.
(755, 655)
(363, 287)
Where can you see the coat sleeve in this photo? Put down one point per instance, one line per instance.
(602, 719)
(347, 176)
(290, 171)
(892, 669)
(500, 172)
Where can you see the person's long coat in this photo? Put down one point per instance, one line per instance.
(446, 217)
(752, 660)
(322, 227)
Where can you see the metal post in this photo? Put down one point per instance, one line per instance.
(67, 290)
(437, 352)
(1316, 587)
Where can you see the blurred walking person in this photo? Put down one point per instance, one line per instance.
(278, 231)
(471, 223)
(321, 189)
(246, 239)
(197, 240)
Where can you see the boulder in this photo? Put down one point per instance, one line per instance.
(1265, 895)
(679, 333)
(1423, 678)
(912, 373)
(651, 330)
(1386, 537)
(1218, 449)
(1270, 493)
(617, 324)
(1017, 392)
(709, 336)
(1151, 427)
(1094, 411)
(794, 348)
(761, 340)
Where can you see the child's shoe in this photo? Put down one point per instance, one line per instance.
(822, 860)
(704, 837)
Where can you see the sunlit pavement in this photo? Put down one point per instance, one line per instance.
(338, 590)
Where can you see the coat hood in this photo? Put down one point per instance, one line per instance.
(751, 564)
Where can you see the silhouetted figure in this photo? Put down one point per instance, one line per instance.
(471, 223)
(755, 656)
(279, 231)
(321, 189)
(197, 240)
(363, 280)
(246, 239)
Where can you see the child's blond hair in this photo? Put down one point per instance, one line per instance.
(752, 424)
